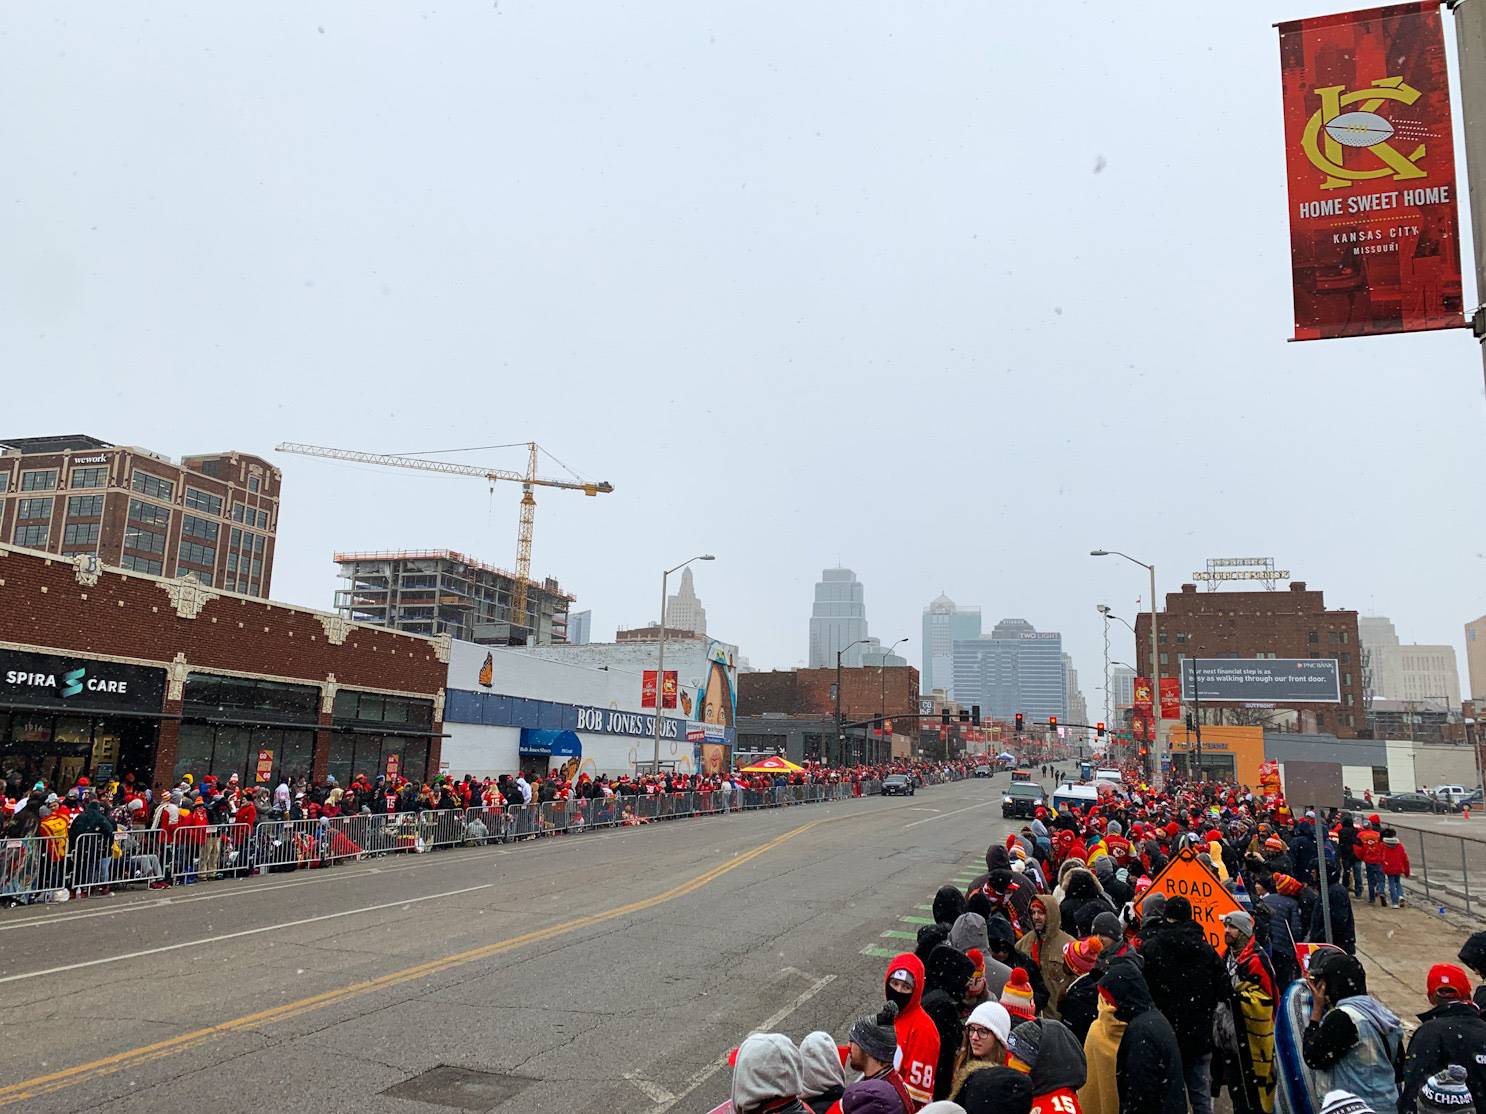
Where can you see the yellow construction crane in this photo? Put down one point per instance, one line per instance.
(528, 501)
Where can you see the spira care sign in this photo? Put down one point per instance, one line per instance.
(66, 684)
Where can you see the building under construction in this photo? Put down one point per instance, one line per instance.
(438, 591)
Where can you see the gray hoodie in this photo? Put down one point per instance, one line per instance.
(767, 1068)
(969, 931)
(820, 1066)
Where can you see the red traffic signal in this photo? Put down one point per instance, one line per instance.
(1019, 723)
(1052, 723)
(1099, 728)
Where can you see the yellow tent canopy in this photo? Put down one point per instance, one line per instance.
(774, 764)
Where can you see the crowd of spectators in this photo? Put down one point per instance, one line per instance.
(1055, 984)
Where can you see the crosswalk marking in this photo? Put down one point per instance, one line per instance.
(894, 934)
(880, 953)
(917, 920)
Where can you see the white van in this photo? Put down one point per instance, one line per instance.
(1108, 775)
(1069, 795)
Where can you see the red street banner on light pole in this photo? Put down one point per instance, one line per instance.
(668, 687)
(1143, 697)
(1374, 230)
(647, 689)
(1171, 698)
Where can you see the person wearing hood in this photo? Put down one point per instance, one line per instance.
(946, 977)
(918, 1036)
(1395, 866)
(1351, 1036)
(996, 1091)
(1116, 890)
(1187, 978)
(766, 1076)
(1343, 928)
(1148, 1062)
(1054, 1062)
(971, 933)
(1004, 954)
(998, 857)
(930, 936)
(873, 1045)
(1453, 1032)
(1081, 897)
(822, 1079)
(92, 857)
(984, 1046)
(1473, 955)
(1249, 1063)
(1010, 894)
(949, 903)
(1043, 944)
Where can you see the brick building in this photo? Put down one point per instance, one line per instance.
(108, 672)
(214, 517)
(1283, 624)
(864, 692)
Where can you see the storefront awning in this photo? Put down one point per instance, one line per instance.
(80, 710)
(539, 742)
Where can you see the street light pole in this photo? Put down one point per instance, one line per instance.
(1155, 653)
(660, 665)
(1104, 611)
(841, 723)
(882, 687)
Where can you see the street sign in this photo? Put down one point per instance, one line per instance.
(1186, 876)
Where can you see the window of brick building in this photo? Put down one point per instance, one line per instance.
(88, 477)
(39, 481)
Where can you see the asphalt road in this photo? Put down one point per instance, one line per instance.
(606, 971)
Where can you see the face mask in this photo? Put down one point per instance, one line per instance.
(900, 997)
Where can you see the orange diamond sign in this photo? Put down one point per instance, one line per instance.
(1186, 876)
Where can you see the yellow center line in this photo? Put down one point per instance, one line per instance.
(94, 1069)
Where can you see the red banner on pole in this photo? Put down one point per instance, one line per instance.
(1143, 696)
(1374, 230)
(668, 687)
(647, 689)
(1171, 698)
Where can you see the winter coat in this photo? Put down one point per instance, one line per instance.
(1370, 847)
(1100, 1093)
(1346, 841)
(1453, 1033)
(1148, 1066)
(946, 976)
(1253, 1006)
(1080, 890)
(1473, 955)
(1343, 929)
(1046, 952)
(882, 1094)
(93, 821)
(918, 1037)
(994, 1091)
(822, 1078)
(1395, 857)
(1187, 979)
(1080, 1004)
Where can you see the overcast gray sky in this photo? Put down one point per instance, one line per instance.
(948, 292)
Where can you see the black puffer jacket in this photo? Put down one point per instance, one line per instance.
(1187, 979)
(1080, 889)
(1148, 1066)
(1453, 1033)
(1080, 1003)
(1473, 955)
(946, 976)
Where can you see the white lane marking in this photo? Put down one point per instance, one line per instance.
(921, 808)
(237, 935)
(765, 1026)
(955, 812)
(652, 1091)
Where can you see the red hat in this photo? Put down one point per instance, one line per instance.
(83, 781)
(1213, 835)
(1079, 955)
(1016, 996)
(1447, 976)
(1173, 830)
(977, 962)
(1274, 843)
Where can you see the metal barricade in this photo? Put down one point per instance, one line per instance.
(33, 868)
(139, 856)
(442, 828)
(483, 825)
(1450, 867)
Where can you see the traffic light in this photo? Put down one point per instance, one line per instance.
(1099, 729)
(964, 715)
(1190, 725)
(975, 715)
(944, 717)
(1052, 723)
(1019, 723)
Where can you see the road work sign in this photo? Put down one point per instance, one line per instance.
(1186, 876)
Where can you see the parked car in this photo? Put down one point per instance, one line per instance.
(1023, 799)
(1451, 795)
(897, 785)
(984, 771)
(1411, 802)
(1354, 803)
